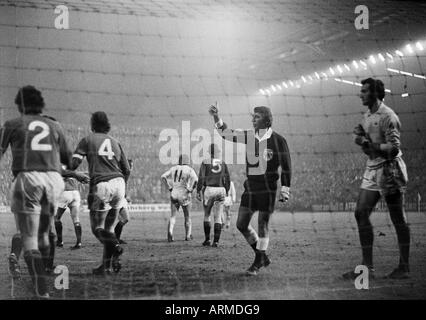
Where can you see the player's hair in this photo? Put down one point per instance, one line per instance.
(266, 113)
(376, 86)
(100, 122)
(29, 100)
(183, 159)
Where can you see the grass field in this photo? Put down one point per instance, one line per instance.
(309, 252)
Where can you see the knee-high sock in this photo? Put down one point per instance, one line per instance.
(171, 225)
(262, 244)
(37, 271)
(58, 228)
(110, 242)
(78, 231)
(251, 237)
(16, 245)
(207, 227)
(52, 238)
(188, 228)
(118, 229)
(217, 230)
(366, 238)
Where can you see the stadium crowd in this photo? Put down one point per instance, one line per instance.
(320, 178)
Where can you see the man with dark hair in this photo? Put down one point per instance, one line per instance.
(379, 137)
(38, 148)
(181, 180)
(108, 171)
(213, 185)
(266, 151)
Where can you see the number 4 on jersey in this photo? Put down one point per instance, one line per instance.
(106, 150)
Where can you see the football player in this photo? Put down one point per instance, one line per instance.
(70, 199)
(213, 185)
(230, 198)
(108, 171)
(123, 214)
(181, 180)
(266, 151)
(385, 175)
(39, 147)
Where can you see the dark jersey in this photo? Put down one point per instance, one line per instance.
(263, 156)
(213, 173)
(105, 157)
(38, 144)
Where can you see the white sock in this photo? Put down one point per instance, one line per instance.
(262, 244)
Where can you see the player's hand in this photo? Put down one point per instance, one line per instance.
(82, 177)
(361, 141)
(284, 194)
(359, 131)
(199, 196)
(213, 110)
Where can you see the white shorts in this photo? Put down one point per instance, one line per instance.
(109, 194)
(69, 198)
(180, 197)
(228, 201)
(34, 192)
(214, 194)
(386, 178)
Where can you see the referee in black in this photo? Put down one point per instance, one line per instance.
(266, 150)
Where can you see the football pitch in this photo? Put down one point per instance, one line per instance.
(309, 252)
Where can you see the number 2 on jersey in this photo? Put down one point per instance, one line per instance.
(106, 150)
(35, 142)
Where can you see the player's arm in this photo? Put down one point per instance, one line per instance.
(165, 179)
(285, 164)
(4, 139)
(236, 136)
(80, 176)
(226, 177)
(192, 182)
(79, 154)
(201, 177)
(124, 165)
(64, 149)
(391, 128)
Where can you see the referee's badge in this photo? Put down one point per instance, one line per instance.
(268, 154)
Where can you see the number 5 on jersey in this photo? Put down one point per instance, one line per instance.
(106, 150)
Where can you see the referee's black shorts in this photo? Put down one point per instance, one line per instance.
(259, 196)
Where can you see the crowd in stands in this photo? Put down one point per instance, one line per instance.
(317, 178)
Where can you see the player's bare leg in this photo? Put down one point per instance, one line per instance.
(29, 227)
(217, 224)
(207, 223)
(58, 226)
(188, 224)
(97, 223)
(172, 221)
(112, 245)
(367, 200)
(227, 215)
(74, 211)
(46, 237)
(243, 225)
(122, 221)
(395, 205)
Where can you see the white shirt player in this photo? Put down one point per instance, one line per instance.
(181, 180)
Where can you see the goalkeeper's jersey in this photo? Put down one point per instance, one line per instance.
(383, 127)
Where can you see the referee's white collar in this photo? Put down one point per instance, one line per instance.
(266, 136)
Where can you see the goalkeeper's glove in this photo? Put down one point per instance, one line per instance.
(284, 194)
